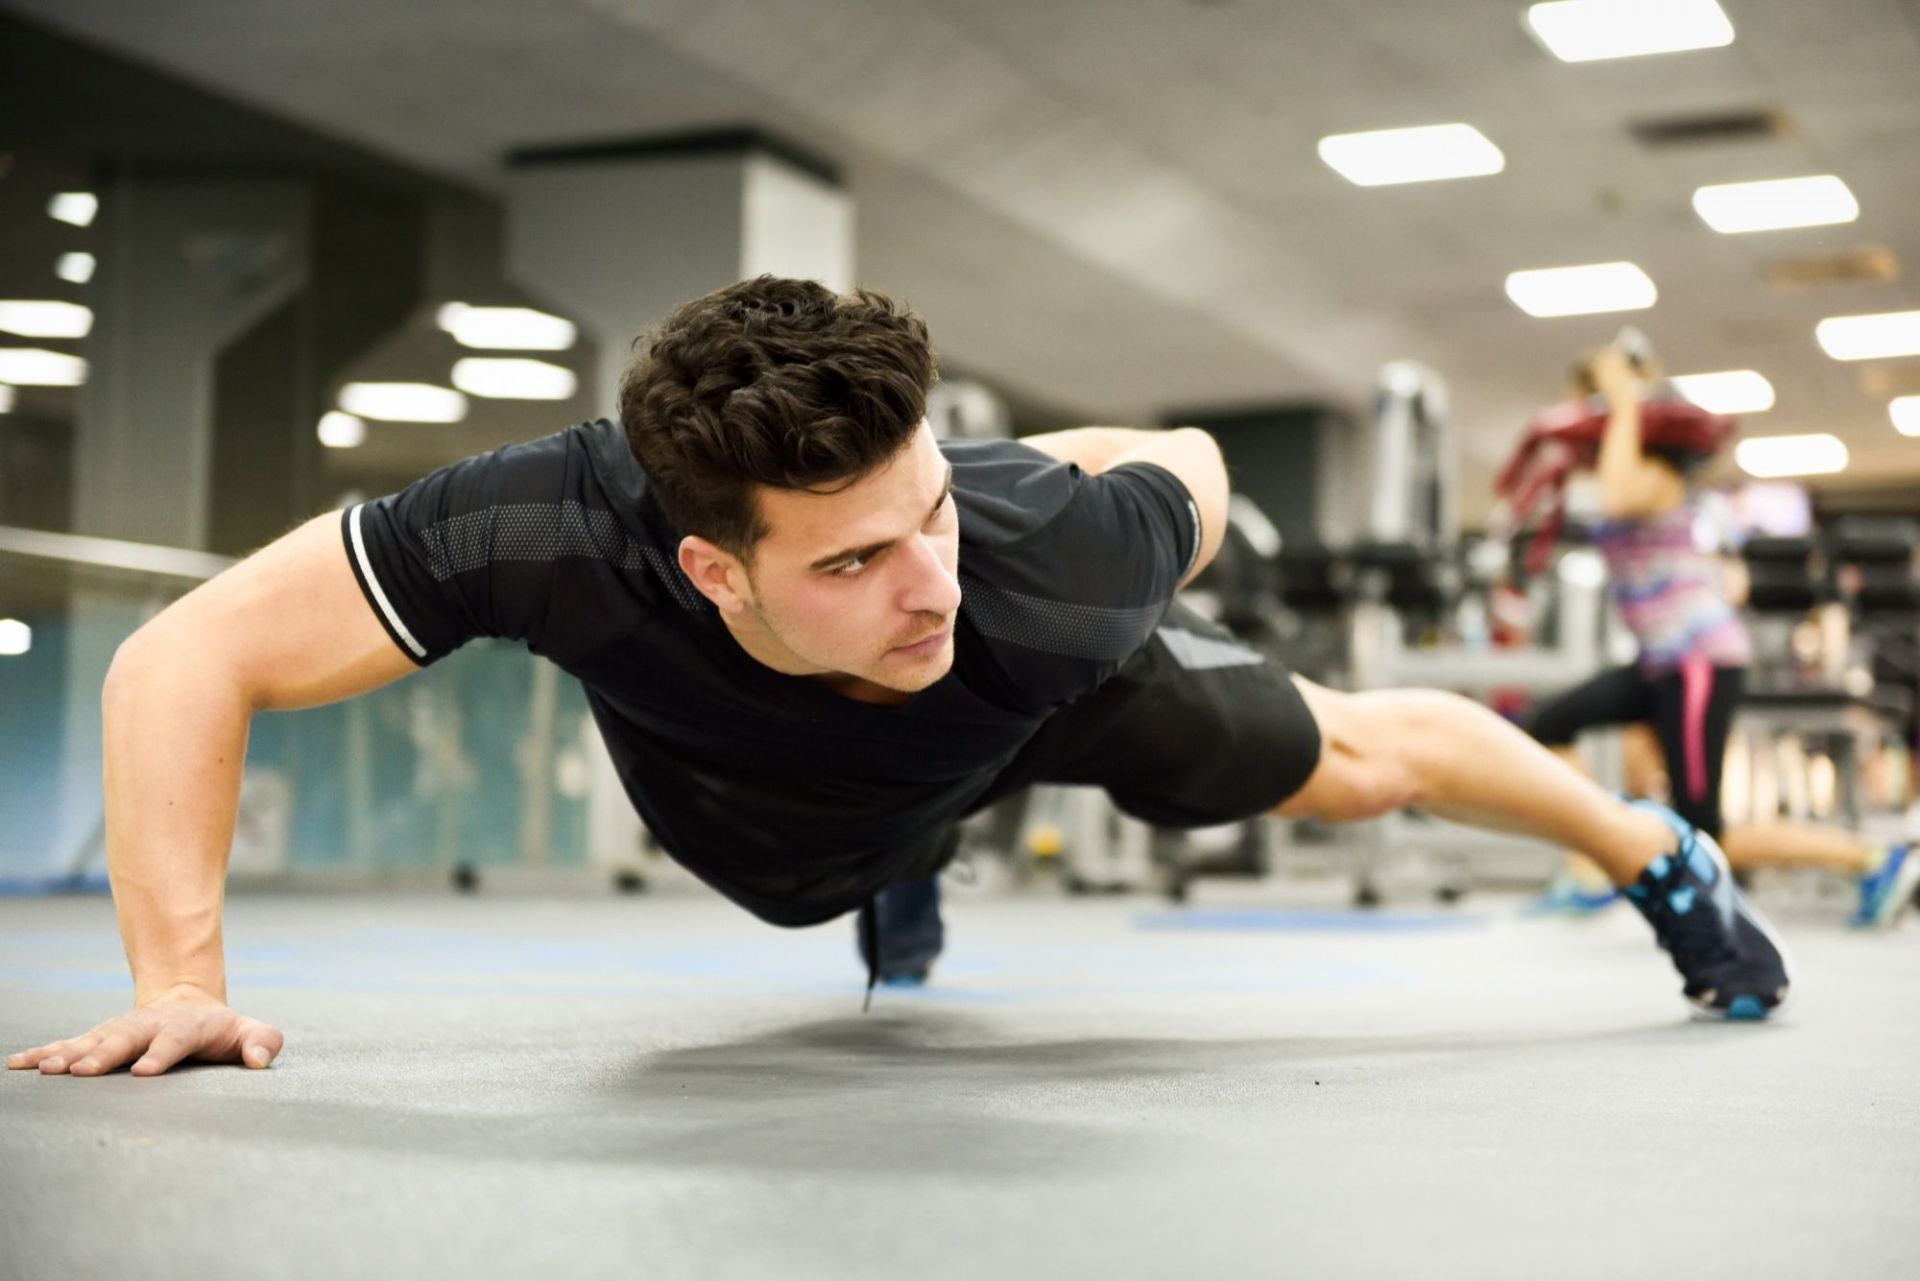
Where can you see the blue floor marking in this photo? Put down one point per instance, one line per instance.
(1307, 921)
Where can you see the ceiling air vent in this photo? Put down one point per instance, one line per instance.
(1712, 127)
(1867, 265)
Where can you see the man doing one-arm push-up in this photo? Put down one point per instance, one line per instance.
(814, 640)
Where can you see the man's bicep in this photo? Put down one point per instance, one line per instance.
(1193, 458)
(289, 623)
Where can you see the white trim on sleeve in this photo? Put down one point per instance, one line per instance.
(373, 585)
(1193, 510)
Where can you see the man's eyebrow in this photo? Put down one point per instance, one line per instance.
(872, 549)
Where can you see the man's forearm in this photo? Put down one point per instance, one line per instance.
(1092, 448)
(175, 737)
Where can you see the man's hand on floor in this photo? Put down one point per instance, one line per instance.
(177, 1025)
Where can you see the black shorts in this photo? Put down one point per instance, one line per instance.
(1195, 729)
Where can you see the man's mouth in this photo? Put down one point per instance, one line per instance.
(926, 644)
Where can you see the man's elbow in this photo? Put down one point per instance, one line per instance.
(158, 652)
(134, 657)
(134, 666)
(1205, 474)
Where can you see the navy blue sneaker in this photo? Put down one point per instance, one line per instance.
(1734, 966)
(900, 934)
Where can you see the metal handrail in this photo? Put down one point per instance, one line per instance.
(111, 553)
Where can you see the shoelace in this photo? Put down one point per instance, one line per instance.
(1694, 938)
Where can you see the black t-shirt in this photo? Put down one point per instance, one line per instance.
(796, 802)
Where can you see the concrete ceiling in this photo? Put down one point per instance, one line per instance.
(1116, 206)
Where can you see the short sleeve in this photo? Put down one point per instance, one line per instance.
(462, 552)
(1069, 600)
(1150, 504)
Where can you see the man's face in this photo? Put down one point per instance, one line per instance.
(864, 581)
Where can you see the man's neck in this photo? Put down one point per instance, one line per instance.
(759, 643)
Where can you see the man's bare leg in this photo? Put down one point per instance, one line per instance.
(1396, 749)
(1582, 871)
(1425, 749)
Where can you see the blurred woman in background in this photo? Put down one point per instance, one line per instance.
(1694, 652)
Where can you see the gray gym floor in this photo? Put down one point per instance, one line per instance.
(661, 1087)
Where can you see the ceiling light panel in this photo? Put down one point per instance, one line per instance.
(1731, 391)
(1735, 207)
(403, 402)
(506, 328)
(1768, 457)
(38, 319)
(1593, 30)
(513, 379)
(1582, 291)
(1428, 153)
(16, 637)
(76, 208)
(1905, 412)
(339, 430)
(36, 367)
(1884, 335)
(75, 268)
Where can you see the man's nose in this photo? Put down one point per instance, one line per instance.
(931, 587)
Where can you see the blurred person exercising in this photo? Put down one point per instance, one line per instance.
(1686, 684)
(813, 640)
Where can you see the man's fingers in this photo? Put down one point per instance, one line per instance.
(112, 1051)
(54, 1057)
(260, 1044)
(167, 1049)
(155, 1039)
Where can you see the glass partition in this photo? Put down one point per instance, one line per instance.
(481, 760)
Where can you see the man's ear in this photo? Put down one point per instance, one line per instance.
(715, 572)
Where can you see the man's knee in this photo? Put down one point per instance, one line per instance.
(1365, 770)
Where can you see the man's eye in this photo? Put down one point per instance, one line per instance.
(849, 569)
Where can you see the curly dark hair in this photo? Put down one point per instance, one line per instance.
(773, 382)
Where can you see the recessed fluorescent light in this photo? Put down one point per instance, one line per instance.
(36, 367)
(1734, 391)
(404, 402)
(505, 328)
(1769, 206)
(1589, 30)
(75, 268)
(6, 399)
(1768, 457)
(44, 319)
(1424, 154)
(339, 430)
(1582, 291)
(76, 207)
(1885, 334)
(15, 637)
(1905, 411)
(507, 379)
